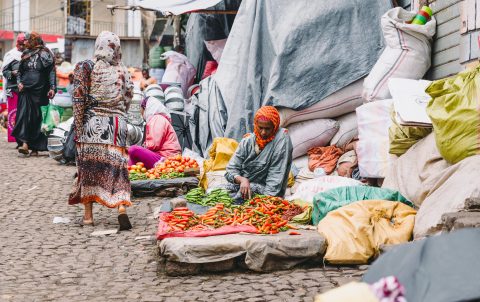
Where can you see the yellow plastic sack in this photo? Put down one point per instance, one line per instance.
(353, 291)
(355, 232)
(454, 114)
(291, 180)
(220, 152)
(403, 137)
(306, 216)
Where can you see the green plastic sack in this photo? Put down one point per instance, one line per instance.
(403, 137)
(330, 200)
(51, 117)
(154, 60)
(67, 113)
(455, 116)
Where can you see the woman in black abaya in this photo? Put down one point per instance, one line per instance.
(36, 84)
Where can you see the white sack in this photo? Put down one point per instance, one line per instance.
(407, 54)
(347, 131)
(309, 188)
(341, 102)
(425, 178)
(310, 134)
(372, 148)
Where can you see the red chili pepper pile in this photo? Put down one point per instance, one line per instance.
(264, 213)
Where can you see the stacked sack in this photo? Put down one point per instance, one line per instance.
(321, 137)
(407, 56)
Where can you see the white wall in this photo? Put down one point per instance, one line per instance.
(134, 21)
(21, 15)
(82, 49)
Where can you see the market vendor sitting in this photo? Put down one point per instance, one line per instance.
(160, 138)
(261, 164)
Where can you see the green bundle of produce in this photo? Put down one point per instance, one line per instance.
(137, 176)
(172, 175)
(216, 196)
(195, 195)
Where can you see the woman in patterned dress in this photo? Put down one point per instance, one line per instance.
(102, 94)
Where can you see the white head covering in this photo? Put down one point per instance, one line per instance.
(12, 55)
(107, 48)
(155, 106)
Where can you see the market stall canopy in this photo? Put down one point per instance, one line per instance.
(176, 7)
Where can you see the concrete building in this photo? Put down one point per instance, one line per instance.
(71, 25)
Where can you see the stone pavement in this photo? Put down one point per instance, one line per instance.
(43, 261)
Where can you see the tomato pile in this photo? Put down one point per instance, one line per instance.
(175, 164)
(264, 213)
(172, 167)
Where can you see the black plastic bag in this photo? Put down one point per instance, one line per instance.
(70, 149)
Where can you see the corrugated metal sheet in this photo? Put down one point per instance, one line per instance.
(447, 46)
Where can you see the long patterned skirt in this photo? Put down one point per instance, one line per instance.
(102, 176)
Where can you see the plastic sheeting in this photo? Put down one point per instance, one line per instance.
(261, 253)
(163, 187)
(207, 27)
(330, 200)
(355, 232)
(178, 7)
(438, 269)
(276, 54)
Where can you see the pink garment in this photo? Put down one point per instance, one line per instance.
(12, 113)
(140, 154)
(160, 137)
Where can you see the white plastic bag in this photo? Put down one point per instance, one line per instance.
(195, 156)
(407, 55)
(372, 148)
(215, 47)
(309, 188)
(179, 70)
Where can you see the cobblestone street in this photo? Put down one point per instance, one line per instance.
(43, 261)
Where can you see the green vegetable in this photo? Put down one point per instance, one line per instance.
(216, 196)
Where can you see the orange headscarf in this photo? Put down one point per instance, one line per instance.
(266, 113)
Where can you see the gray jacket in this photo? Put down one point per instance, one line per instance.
(269, 168)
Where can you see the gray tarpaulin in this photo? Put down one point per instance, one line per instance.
(294, 54)
(262, 253)
(438, 269)
(207, 27)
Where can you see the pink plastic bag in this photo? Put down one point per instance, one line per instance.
(179, 70)
(12, 113)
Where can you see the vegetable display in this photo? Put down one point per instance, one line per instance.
(172, 167)
(216, 196)
(264, 213)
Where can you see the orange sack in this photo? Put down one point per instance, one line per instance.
(324, 157)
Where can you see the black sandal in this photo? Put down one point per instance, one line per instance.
(124, 222)
(23, 151)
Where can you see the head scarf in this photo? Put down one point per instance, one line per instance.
(34, 40)
(107, 48)
(20, 39)
(14, 54)
(153, 107)
(35, 44)
(110, 79)
(266, 113)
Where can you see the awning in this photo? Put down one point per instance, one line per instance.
(176, 7)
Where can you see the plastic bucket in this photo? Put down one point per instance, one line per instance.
(174, 98)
